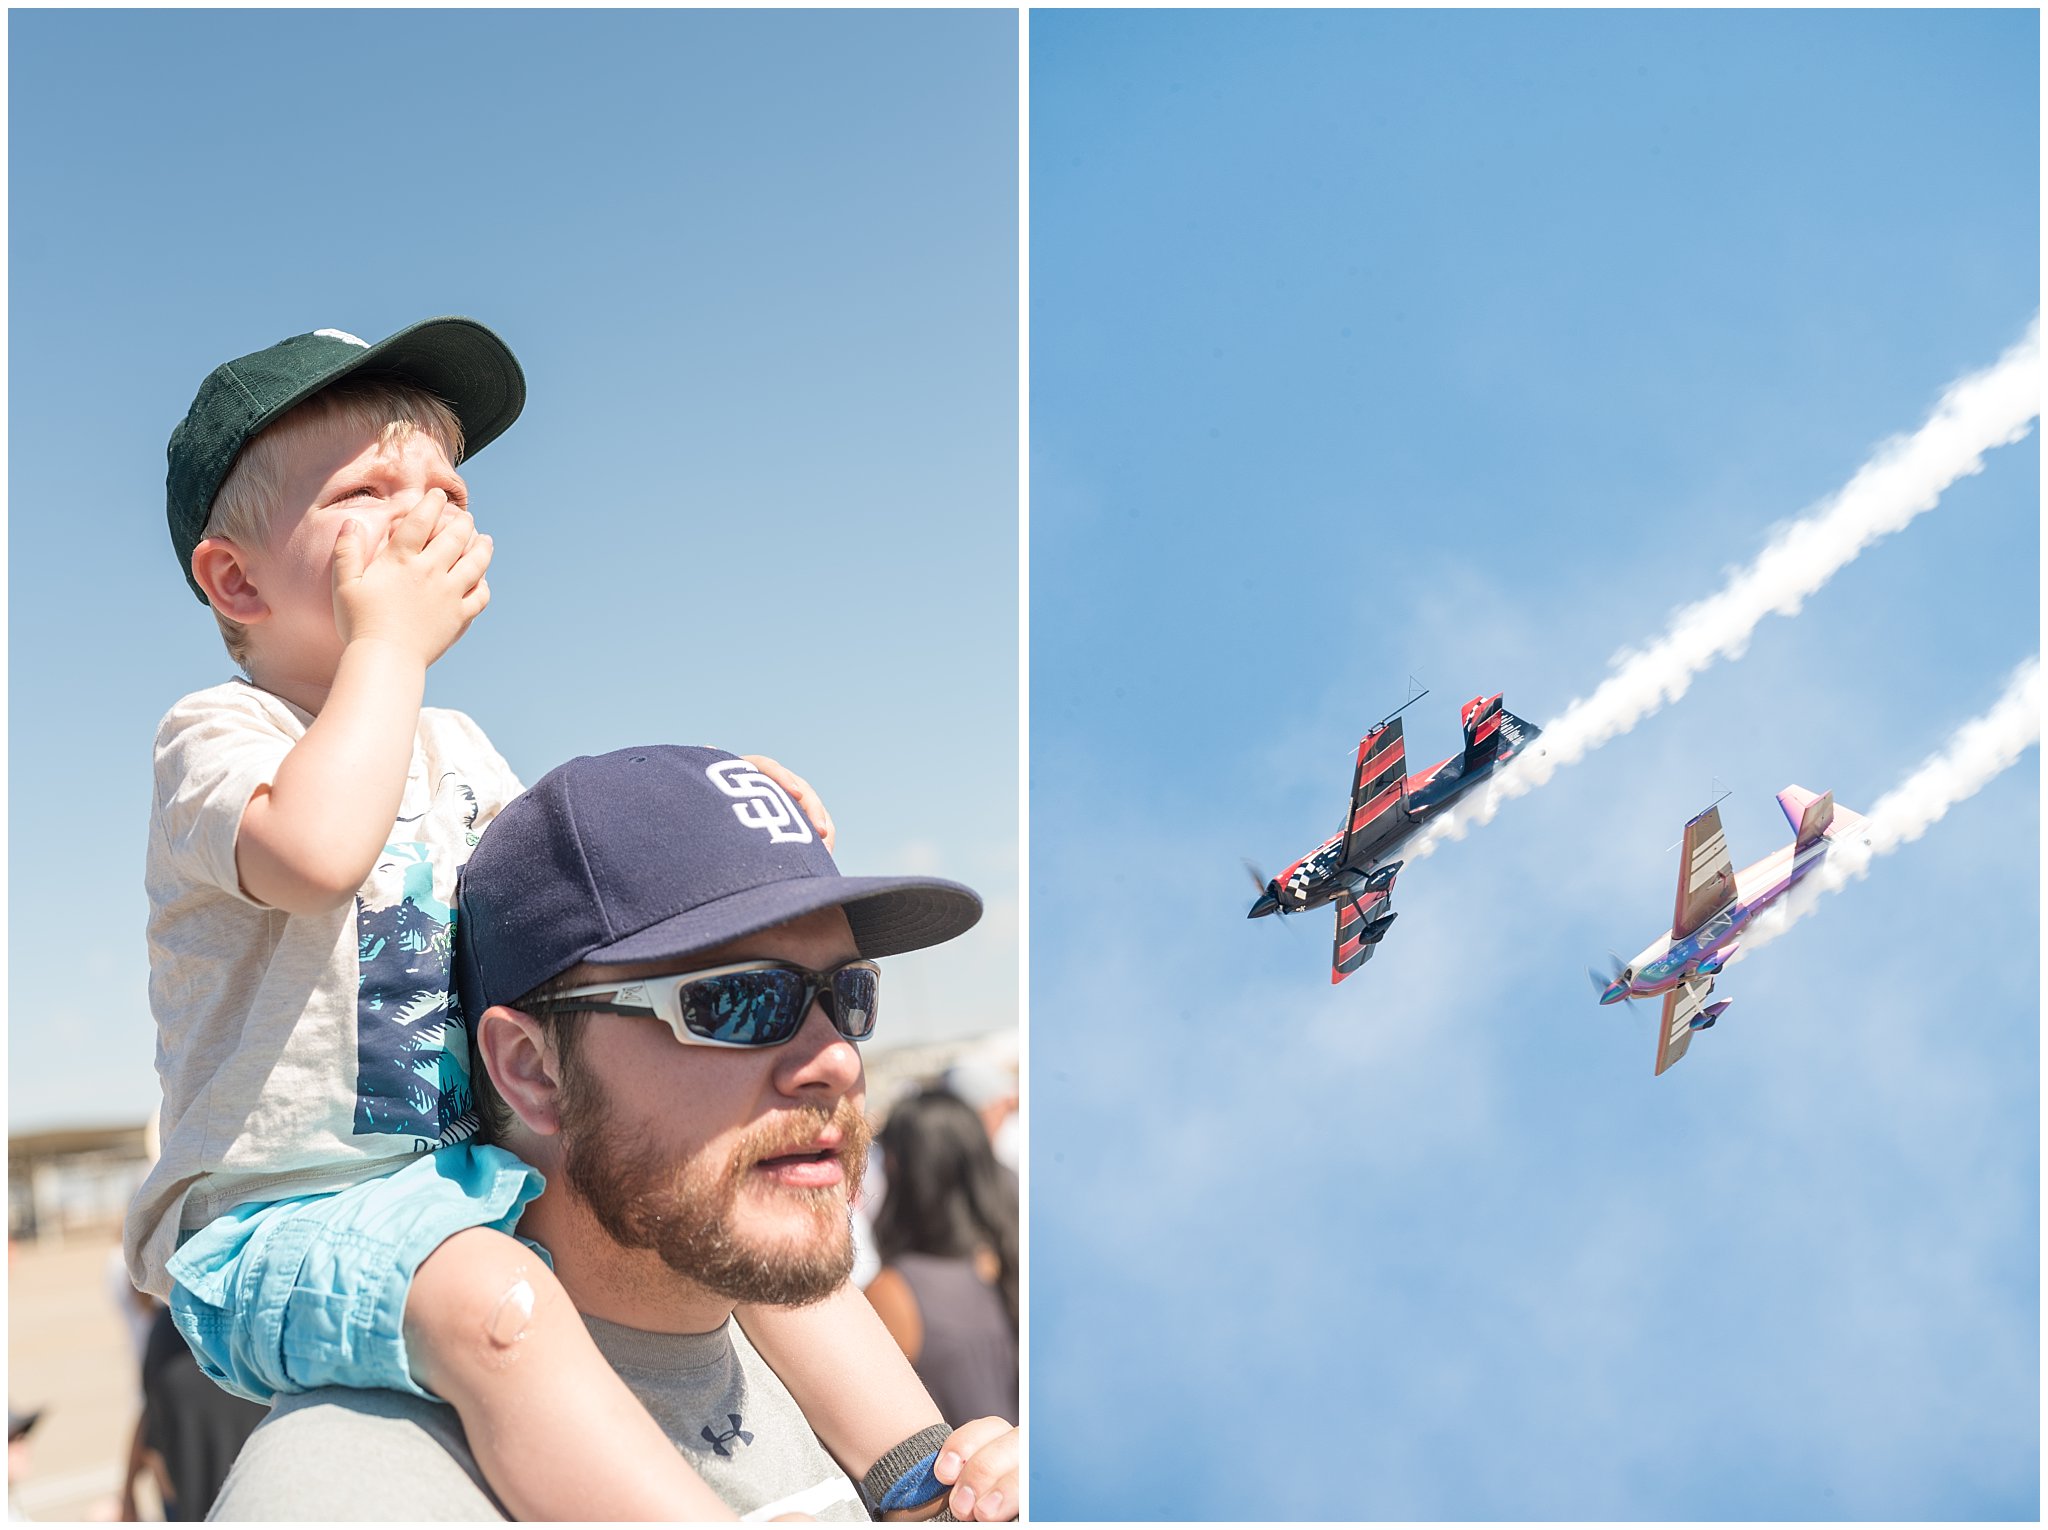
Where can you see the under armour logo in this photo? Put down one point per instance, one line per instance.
(762, 804)
(718, 1442)
(342, 334)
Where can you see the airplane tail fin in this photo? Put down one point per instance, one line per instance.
(1515, 732)
(1492, 732)
(1482, 717)
(1809, 815)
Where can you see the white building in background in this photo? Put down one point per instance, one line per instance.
(73, 1179)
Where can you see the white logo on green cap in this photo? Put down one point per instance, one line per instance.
(342, 334)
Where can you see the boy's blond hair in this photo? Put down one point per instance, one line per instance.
(250, 495)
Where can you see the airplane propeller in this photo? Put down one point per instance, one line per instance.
(1601, 983)
(1259, 881)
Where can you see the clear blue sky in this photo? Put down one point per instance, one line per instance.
(761, 270)
(1467, 345)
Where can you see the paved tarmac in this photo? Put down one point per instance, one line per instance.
(69, 1355)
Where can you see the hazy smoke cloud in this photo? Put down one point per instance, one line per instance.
(1981, 749)
(1904, 477)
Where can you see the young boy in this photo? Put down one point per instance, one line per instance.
(320, 1215)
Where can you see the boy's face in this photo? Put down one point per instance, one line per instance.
(334, 473)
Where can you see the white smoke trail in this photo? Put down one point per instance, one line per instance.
(1903, 478)
(1981, 749)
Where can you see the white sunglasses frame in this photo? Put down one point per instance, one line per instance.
(659, 995)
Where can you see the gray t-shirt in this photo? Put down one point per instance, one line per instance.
(336, 1454)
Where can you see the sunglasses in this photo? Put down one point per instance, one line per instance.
(747, 1004)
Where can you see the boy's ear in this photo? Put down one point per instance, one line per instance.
(515, 1052)
(218, 566)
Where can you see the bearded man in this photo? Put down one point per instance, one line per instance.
(668, 978)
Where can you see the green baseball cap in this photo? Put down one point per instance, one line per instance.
(457, 360)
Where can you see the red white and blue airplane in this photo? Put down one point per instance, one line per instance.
(1715, 905)
(1351, 868)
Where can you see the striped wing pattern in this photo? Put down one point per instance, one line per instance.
(1706, 877)
(1353, 950)
(1681, 1006)
(1375, 790)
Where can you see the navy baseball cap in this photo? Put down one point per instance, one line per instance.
(658, 853)
(457, 360)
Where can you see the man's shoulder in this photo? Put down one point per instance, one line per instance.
(341, 1454)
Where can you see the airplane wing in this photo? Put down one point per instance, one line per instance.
(1352, 916)
(1680, 1006)
(1375, 791)
(1706, 877)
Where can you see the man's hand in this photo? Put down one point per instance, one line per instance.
(980, 1460)
(806, 795)
(422, 589)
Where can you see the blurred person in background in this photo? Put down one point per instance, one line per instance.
(947, 1233)
(190, 1431)
(137, 1309)
(990, 1087)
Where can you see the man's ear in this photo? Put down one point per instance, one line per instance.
(221, 570)
(515, 1052)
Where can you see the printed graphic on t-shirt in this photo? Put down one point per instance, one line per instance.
(720, 1439)
(412, 1040)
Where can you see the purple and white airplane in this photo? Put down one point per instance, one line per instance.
(1715, 905)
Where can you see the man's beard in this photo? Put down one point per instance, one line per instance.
(686, 1213)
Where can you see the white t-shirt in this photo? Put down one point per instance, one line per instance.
(299, 1053)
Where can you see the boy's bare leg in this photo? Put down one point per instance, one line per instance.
(556, 1432)
(856, 1389)
(863, 1399)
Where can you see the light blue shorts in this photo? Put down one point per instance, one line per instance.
(310, 1292)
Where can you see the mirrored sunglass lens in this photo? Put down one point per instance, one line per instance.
(758, 1009)
(855, 991)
